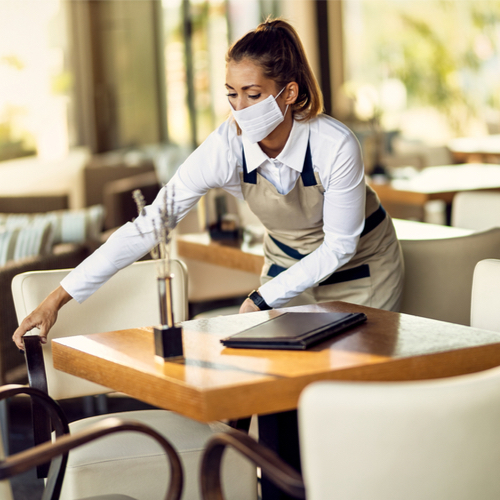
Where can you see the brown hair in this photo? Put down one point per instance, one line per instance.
(276, 47)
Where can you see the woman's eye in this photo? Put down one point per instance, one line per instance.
(254, 96)
(231, 95)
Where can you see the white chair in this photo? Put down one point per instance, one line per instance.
(478, 210)
(485, 304)
(128, 300)
(438, 274)
(437, 439)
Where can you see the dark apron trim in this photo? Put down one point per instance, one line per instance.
(355, 273)
(373, 220)
(307, 174)
(291, 252)
(249, 178)
(274, 270)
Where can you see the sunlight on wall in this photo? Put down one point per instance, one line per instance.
(444, 53)
(33, 81)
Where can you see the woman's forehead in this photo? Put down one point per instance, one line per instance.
(245, 73)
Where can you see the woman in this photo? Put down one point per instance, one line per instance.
(301, 173)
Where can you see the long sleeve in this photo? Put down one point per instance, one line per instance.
(209, 166)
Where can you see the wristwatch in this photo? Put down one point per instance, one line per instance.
(258, 300)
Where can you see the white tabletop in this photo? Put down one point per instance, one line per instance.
(412, 230)
(450, 178)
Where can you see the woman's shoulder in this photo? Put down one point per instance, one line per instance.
(327, 130)
(325, 124)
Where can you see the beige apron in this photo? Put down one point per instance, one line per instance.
(294, 224)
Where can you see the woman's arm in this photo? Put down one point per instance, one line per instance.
(209, 166)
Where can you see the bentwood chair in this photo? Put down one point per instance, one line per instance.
(128, 300)
(436, 439)
(438, 274)
(478, 210)
(56, 452)
(485, 305)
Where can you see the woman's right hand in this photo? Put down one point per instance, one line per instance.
(43, 317)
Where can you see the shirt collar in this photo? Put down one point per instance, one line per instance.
(293, 153)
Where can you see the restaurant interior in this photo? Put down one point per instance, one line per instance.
(101, 98)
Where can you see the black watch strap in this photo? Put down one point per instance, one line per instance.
(259, 301)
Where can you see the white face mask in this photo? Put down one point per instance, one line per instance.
(259, 120)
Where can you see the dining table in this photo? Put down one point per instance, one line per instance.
(213, 382)
(485, 148)
(409, 190)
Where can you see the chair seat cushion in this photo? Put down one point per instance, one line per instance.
(132, 464)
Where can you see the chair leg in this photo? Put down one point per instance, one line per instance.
(279, 432)
(101, 403)
(242, 424)
(88, 406)
(4, 424)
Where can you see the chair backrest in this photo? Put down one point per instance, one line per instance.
(128, 300)
(387, 441)
(438, 274)
(485, 302)
(477, 210)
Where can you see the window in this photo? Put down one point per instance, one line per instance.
(35, 82)
(428, 69)
(197, 34)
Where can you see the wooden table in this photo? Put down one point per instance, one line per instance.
(250, 257)
(216, 383)
(435, 183)
(472, 149)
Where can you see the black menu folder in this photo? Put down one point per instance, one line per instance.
(294, 330)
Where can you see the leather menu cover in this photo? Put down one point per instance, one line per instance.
(294, 330)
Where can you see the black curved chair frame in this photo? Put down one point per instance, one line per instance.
(57, 452)
(276, 470)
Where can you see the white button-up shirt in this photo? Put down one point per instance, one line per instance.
(217, 163)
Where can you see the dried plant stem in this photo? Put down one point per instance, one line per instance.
(163, 226)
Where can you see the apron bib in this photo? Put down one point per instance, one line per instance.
(294, 229)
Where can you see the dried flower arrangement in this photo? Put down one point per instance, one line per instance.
(162, 228)
(168, 337)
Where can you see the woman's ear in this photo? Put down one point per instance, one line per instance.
(291, 93)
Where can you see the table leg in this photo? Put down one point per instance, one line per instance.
(279, 432)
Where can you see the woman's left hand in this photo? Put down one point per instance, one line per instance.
(248, 306)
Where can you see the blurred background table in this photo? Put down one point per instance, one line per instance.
(476, 149)
(406, 196)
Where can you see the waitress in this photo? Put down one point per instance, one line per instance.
(300, 171)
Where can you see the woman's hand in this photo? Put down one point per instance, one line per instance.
(43, 317)
(248, 306)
